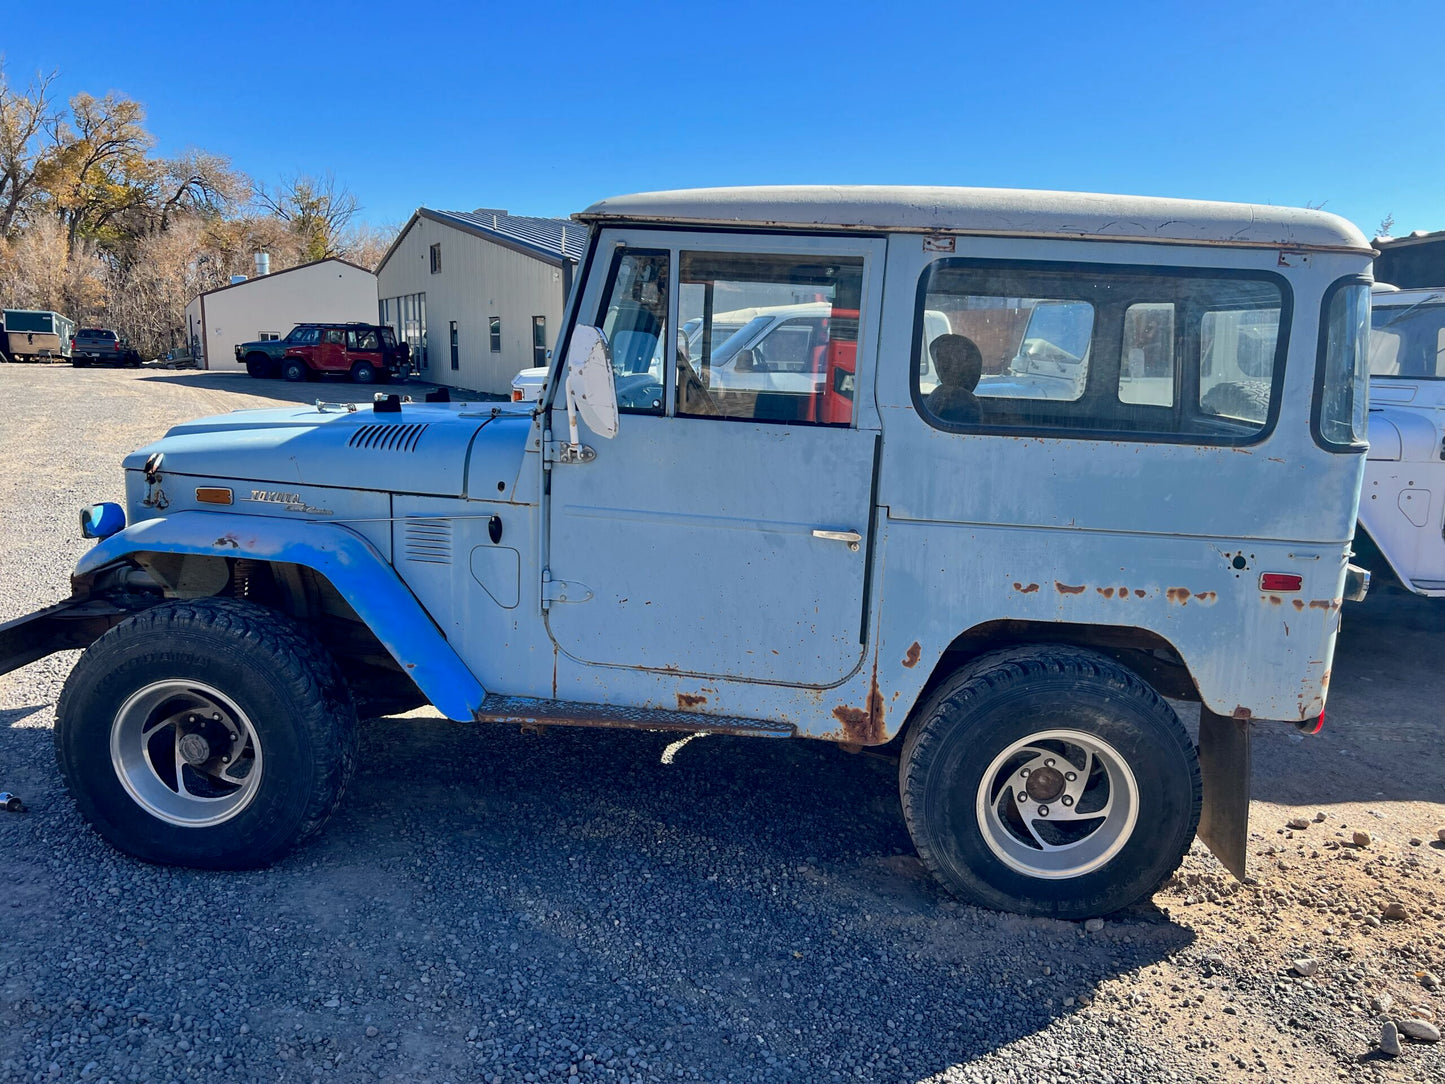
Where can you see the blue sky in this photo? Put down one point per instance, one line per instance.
(542, 107)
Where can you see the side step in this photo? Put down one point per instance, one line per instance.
(526, 710)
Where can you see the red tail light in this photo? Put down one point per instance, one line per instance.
(1280, 581)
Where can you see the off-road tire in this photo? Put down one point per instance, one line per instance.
(284, 680)
(364, 372)
(258, 366)
(79, 363)
(295, 370)
(999, 698)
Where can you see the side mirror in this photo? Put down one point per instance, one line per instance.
(590, 388)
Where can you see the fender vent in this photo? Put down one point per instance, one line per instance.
(388, 436)
(427, 541)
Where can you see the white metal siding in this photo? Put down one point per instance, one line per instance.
(331, 290)
(479, 279)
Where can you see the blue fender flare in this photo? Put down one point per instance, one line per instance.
(353, 566)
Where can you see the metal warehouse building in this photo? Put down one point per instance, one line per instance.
(478, 294)
(270, 305)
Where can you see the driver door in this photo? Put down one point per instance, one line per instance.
(720, 536)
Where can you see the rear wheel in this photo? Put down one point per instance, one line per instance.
(363, 372)
(295, 370)
(211, 733)
(1050, 781)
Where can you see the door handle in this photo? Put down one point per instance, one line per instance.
(850, 537)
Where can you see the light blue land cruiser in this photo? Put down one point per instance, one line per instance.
(1000, 581)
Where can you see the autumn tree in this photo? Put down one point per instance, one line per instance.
(318, 210)
(25, 118)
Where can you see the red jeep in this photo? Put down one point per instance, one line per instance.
(367, 353)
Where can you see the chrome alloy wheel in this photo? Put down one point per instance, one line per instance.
(1057, 804)
(185, 753)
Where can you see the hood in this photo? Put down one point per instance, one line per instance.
(431, 448)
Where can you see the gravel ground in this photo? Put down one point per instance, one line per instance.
(579, 907)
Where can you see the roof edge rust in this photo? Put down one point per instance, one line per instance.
(989, 212)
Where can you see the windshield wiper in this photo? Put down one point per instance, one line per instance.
(1407, 312)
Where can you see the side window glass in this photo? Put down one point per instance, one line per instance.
(366, 340)
(1236, 362)
(335, 335)
(351, 341)
(768, 337)
(633, 316)
(1146, 361)
(1107, 350)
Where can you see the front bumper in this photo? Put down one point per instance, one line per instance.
(69, 624)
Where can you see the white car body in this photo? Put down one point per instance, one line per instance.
(1402, 505)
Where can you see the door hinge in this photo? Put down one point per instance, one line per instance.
(559, 451)
(563, 590)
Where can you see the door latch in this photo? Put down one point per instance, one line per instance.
(853, 538)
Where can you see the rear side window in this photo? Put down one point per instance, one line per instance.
(1342, 400)
(1164, 353)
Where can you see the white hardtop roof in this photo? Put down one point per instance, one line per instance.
(987, 211)
(1385, 296)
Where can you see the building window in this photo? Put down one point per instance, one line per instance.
(456, 359)
(539, 340)
(494, 331)
(436, 258)
(267, 337)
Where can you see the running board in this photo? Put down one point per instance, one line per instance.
(531, 711)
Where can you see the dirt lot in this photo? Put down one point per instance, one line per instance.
(492, 906)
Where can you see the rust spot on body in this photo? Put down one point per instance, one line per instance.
(1206, 596)
(689, 700)
(1178, 594)
(1066, 589)
(1139, 594)
(1025, 589)
(1275, 600)
(1107, 592)
(863, 727)
(915, 652)
(1324, 604)
(1299, 603)
(1242, 712)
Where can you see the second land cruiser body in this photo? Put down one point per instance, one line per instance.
(1003, 588)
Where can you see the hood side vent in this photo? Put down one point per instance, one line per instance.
(427, 541)
(388, 436)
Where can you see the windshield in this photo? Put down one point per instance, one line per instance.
(294, 335)
(1409, 341)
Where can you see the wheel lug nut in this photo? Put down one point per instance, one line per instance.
(1043, 811)
(1070, 776)
(225, 760)
(1068, 800)
(191, 719)
(1049, 763)
(1023, 797)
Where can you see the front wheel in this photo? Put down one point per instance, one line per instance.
(1050, 781)
(258, 366)
(211, 733)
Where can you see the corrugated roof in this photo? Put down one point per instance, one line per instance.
(553, 236)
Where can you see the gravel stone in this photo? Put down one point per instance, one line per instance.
(1305, 966)
(1422, 1030)
(1390, 1040)
(1362, 839)
(1396, 911)
(1299, 824)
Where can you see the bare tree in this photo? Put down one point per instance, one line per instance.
(318, 210)
(1386, 225)
(25, 117)
(366, 244)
